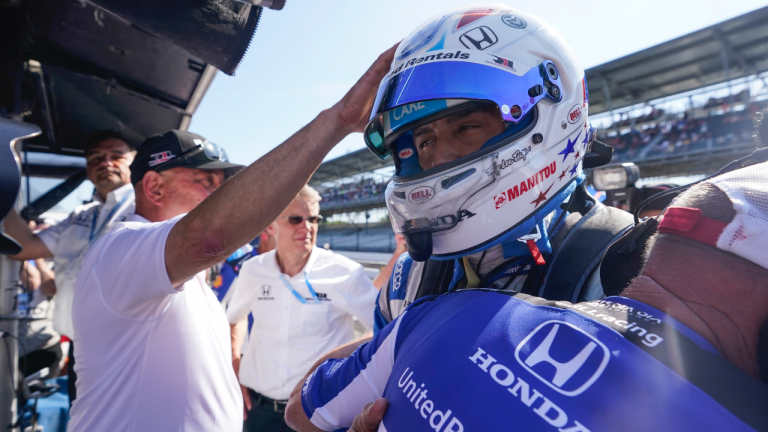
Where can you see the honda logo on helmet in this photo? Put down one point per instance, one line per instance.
(479, 38)
(563, 356)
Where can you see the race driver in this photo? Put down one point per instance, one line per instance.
(484, 112)
(683, 348)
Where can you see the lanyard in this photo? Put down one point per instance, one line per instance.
(95, 233)
(297, 295)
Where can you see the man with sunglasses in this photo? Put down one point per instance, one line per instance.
(303, 299)
(153, 341)
(108, 158)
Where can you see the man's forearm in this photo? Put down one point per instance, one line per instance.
(30, 276)
(294, 412)
(47, 278)
(236, 212)
(237, 332)
(244, 205)
(31, 245)
(386, 272)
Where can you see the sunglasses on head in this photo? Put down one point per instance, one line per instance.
(295, 220)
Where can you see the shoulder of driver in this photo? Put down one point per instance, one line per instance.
(538, 364)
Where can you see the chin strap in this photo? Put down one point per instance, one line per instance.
(530, 240)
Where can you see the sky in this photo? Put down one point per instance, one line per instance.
(305, 57)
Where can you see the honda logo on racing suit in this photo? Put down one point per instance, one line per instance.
(564, 357)
(479, 38)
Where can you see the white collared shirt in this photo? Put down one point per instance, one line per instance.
(70, 239)
(287, 336)
(150, 357)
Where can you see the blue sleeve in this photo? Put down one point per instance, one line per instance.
(339, 389)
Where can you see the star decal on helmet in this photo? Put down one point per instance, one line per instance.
(586, 138)
(560, 177)
(576, 156)
(569, 148)
(573, 170)
(542, 197)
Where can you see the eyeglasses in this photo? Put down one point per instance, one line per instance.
(295, 220)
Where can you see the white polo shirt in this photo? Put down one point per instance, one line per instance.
(69, 240)
(149, 357)
(287, 336)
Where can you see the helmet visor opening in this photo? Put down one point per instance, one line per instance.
(418, 92)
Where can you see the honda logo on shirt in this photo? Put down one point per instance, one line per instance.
(479, 38)
(563, 356)
(265, 289)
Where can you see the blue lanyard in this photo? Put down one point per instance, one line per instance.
(297, 295)
(94, 232)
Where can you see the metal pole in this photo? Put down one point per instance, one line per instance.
(727, 70)
(9, 270)
(607, 92)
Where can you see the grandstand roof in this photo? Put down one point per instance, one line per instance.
(350, 164)
(729, 50)
(687, 63)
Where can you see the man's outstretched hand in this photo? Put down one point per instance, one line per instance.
(354, 109)
(369, 419)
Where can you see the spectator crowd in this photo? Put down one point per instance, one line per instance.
(356, 191)
(682, 132)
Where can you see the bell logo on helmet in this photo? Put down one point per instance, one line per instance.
(421, 194)
(574, 115)
(514, 21)
(479, 37)
(563, 356)
(405, 153)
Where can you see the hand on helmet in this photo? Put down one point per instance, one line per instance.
(354, 109)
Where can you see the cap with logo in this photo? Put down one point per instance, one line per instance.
(177, 148)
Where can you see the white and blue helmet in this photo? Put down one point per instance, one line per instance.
(482, 56)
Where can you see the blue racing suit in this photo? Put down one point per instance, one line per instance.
(489, 360)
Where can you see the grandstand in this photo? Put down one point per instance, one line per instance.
(685, 107)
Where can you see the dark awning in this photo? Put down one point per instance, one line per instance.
(75, 67)
(729, 50)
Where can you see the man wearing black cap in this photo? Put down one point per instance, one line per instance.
(153, 342)
(108, 158)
